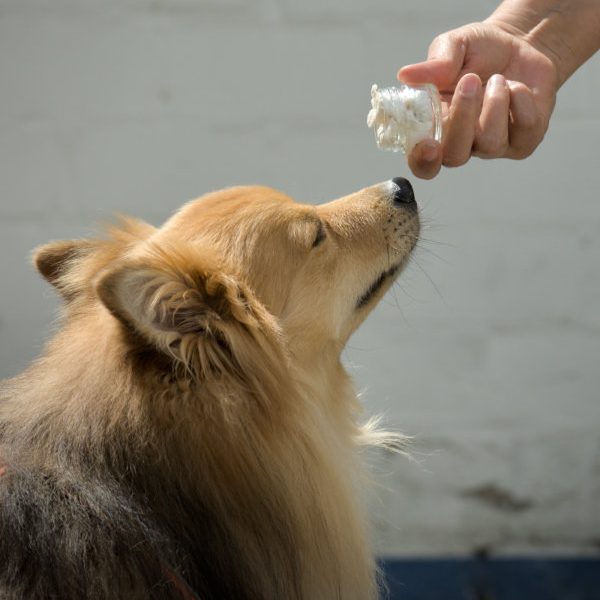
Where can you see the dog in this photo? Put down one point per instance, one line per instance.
(190, 431)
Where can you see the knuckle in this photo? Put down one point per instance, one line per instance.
(528, 121)
(524, 144)
(437, 41)
(491, 144)
(532, 121)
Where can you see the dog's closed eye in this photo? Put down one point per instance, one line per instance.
(308, 232)
(320, 235)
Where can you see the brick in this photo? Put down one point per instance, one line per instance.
(431, 371)
(42, 7)
(36, 173)
(149, 167)
(498, 493)
(388, 9)
(147, 66)
(578, 98)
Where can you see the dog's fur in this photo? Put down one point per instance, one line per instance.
(191, 420)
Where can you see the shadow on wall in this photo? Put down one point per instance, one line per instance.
(482, 578)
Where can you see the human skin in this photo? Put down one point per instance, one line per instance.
(499, 78)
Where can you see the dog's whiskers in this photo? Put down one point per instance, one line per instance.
(435, 287)
(431, 252)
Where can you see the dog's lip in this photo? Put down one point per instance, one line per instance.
(368, 295)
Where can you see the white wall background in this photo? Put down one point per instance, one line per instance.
(489, 348)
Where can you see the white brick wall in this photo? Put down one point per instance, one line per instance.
(487, 350)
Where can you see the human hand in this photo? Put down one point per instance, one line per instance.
(498, 92)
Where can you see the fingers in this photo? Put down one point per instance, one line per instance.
(492, 140)
(527, 126)
(443, 66)
(504, 121)
(459, 134)
(427, 157)
(511, 125)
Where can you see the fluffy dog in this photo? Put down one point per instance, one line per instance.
(190, 432)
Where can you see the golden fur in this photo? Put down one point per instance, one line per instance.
(192, 415)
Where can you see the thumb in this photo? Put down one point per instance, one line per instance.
(443, 66)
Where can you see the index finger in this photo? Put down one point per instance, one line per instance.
(443, 67)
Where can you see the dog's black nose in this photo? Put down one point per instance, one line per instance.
(403, 194)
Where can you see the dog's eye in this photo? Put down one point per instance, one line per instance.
(320, 237)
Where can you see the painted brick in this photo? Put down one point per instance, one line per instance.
(42, 7)
(27, 303)
(143, 66)
(358, 9)
(497, 493)
(36, 174)
(578, 98)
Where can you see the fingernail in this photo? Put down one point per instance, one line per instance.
(496, 82)
(429, 152)
(469, 87)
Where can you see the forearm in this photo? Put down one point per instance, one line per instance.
(567, 31)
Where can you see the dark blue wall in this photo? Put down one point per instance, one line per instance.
(493, 579)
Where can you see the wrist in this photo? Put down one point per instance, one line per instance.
(515, 17)
(525, 27)
(565, 31)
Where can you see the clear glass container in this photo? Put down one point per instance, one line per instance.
(403, 116)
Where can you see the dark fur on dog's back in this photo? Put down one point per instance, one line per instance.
(103, 521)
(65, 538)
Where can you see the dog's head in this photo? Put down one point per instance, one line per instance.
(242, 263)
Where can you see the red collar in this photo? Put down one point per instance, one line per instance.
(180, 585)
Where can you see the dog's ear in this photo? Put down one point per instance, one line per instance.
(54, 260)
(64, 264)
(187, 306)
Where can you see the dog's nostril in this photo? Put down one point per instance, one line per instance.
(403, 194)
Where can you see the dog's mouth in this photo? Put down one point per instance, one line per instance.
(372, 290)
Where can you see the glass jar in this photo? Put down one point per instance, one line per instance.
(403, 116)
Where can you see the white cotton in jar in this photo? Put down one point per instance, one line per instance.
(403, 116)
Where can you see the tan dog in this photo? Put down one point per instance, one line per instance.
(190, 432)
